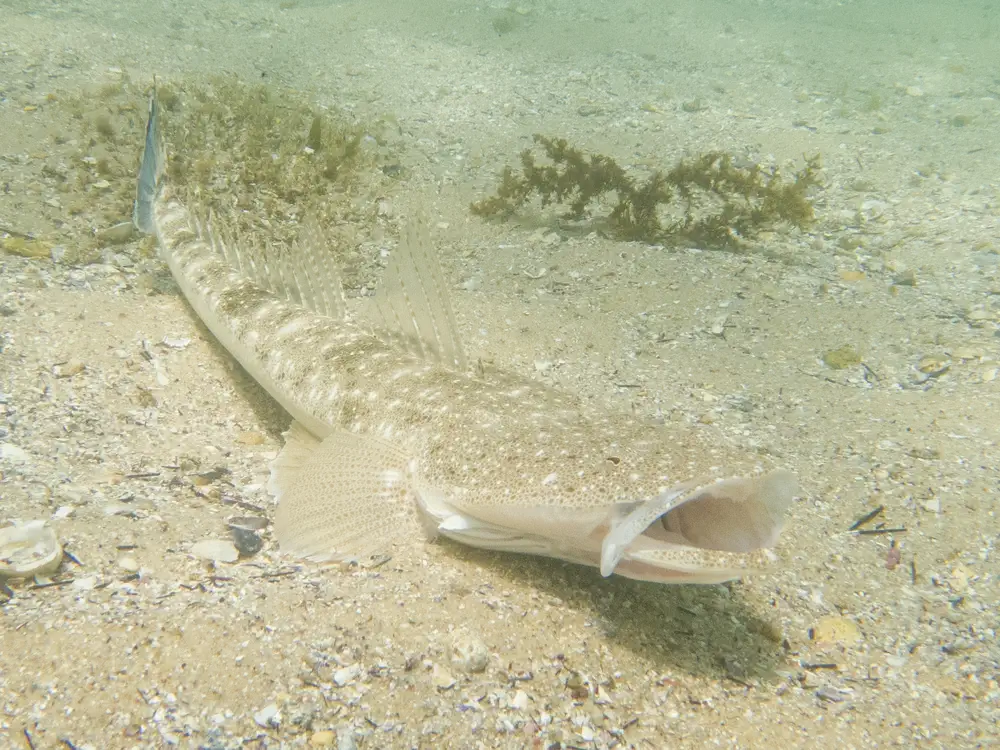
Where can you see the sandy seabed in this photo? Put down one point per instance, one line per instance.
(139, 449)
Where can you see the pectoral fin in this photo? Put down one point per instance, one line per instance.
(345, 497)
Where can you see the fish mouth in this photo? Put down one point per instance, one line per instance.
(702, 531)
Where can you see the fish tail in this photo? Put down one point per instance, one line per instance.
(151, 170)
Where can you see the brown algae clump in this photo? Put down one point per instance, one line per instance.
(706, 198)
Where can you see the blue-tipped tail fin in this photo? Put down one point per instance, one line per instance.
(150, 171)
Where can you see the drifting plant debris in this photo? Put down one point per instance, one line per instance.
(706, 198)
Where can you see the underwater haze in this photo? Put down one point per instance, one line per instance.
(771, 225)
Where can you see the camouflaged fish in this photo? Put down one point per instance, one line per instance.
(394, 431)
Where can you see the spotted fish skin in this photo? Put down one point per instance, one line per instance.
(393, 431)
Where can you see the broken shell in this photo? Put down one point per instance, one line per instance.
(249, 523)
(934, 365)
(30, 549)
(117, 234)
(216, 550)
(442, 678)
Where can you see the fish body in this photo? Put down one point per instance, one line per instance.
(394, 431)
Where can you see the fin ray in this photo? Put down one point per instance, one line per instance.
(414, 301)
(342, 498)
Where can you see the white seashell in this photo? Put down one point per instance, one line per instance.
(30, 549)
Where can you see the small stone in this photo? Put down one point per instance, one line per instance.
(839, 359)
(247, 542)
(269, 716)
(346, 675)
(932, 504)
(966, 353)
(216, 550)
(251, 437)
(468, 653)
(14, 454)
(835, 629)
(68, 369)
(520, 701)
(852, 276)
(326, 738)
(119, 509)
(914, 91)
(718, 327)
(128, 564)
(345, 740)
(89, 583)
(810, 680)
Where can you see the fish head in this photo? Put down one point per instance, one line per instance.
(705, 531)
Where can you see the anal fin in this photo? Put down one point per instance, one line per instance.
(343, 498)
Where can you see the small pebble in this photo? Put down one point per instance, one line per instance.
(932, 505)
(251, 438)
(69, 369)
(326, 738)
(469, 653)
(346, 675)
(85, 584)
(835, 629)
(247, 542)
(216, 550)
(14, 454)
(128, 564)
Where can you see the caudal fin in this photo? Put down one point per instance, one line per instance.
(150, 170)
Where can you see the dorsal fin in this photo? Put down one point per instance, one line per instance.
(414, 301)
(306, 274)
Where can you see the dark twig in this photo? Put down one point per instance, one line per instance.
(874, 532)
(866, 518)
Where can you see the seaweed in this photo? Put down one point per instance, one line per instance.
(705, 198)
